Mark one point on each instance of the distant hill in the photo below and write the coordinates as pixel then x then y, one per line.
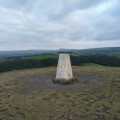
pixel 93 51
pixel 15 60
pixel 24 53
pixel 33 52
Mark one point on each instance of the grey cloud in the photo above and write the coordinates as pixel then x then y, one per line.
pixel 72 5
pixel 114 9
pixel 13 3
pixel 74 22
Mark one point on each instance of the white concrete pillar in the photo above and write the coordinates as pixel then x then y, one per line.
pixel 64 69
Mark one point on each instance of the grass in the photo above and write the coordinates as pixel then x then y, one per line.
pixel 31 95
pixel 42 57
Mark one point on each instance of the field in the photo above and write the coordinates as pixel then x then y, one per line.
pixel 31 95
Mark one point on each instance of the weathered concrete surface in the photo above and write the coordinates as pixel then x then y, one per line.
pixel 64 69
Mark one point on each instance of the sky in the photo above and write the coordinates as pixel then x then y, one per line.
pixel 54 24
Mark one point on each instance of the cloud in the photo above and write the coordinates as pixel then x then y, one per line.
pixel 28 24
pixel 13 3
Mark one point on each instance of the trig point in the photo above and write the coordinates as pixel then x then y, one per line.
pixel 64 73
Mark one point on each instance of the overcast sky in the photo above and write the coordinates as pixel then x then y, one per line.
pixel 54 24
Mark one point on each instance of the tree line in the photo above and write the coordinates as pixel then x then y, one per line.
pixel 16 64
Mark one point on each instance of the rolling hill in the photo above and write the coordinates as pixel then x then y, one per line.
pixel 92 51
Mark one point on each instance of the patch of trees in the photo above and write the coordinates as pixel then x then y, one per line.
pixel 27 63
pixel 97 59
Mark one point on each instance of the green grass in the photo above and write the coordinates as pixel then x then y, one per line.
pixel 42 57
pixel 31 95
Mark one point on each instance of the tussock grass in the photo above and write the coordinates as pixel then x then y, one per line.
pixel 31 95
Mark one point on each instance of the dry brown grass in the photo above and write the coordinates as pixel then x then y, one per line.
pixel 31 95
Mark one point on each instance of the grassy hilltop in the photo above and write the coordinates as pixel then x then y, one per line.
pixel 31 95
